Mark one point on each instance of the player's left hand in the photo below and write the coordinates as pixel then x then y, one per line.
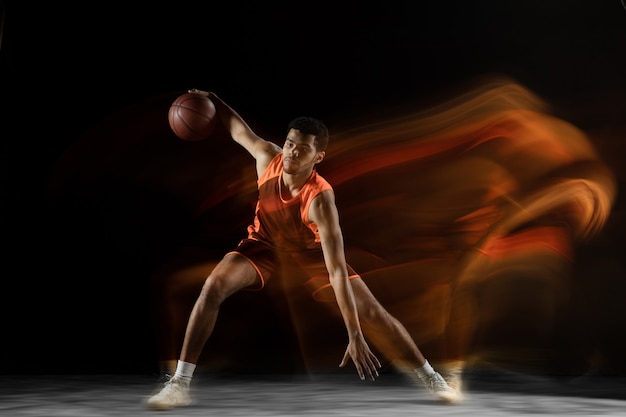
pixel 365 361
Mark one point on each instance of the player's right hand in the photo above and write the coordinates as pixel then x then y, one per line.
pixel 199 92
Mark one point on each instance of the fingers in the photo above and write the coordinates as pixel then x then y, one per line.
pixel 372 373
pixel 366 363
pixel 200 92
pixel 359 371
pixel 372 365
pixel 365 367
pixel 377 362
pixel 357 365
pixel 344 361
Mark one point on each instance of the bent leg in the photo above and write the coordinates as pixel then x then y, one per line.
pixel 231 274
pixel 175 286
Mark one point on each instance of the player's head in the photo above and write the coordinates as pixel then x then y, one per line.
pixel 312 126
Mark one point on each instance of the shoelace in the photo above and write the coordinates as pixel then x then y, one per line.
pixel 436 384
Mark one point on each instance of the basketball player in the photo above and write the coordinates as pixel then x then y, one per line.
pixel 296 223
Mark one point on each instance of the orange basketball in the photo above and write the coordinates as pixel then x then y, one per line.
pixel 192 117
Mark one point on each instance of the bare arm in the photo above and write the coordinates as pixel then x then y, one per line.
pixel 323 212
pixel 261 150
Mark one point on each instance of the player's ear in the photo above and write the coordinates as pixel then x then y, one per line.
pixel 319 157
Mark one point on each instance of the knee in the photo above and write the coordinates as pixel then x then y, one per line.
pixel 373 313
pixel 213 290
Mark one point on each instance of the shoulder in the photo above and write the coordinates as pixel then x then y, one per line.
pixel 321 182
pixel 319 191
pixel 321 205
pixel 265 154
pixel 267 147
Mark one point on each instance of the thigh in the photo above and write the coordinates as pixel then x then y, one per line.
pixel 367 304
pixel 362 293
pixel 370 310
pixel 260 257
pixel 233 273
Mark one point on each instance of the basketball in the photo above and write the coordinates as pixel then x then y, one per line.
pixel 192 117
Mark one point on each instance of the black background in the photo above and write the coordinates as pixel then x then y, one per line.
pixel 73 286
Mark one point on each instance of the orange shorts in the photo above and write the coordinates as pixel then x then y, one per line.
pixel 304 267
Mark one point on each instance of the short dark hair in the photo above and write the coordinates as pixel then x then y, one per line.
pixel 312 126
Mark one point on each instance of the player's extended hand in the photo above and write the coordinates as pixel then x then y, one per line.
pixel 365 361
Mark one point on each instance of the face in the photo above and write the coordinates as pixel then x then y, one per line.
pixel 299 153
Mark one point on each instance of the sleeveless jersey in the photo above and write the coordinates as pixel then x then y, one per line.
pixel 284 224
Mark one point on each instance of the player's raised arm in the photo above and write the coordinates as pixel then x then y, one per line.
pixel 260 149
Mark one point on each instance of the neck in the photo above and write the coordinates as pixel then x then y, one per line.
pixel 294 182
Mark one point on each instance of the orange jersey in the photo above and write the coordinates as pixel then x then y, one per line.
pixel 285 224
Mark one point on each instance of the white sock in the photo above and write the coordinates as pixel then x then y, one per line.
pixel 425 370
pixel 184 370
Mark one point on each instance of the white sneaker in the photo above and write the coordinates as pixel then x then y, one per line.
pixel 440 388
pixel 454 378
pixel 175 393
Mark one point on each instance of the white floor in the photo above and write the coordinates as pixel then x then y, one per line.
pixel 317 395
